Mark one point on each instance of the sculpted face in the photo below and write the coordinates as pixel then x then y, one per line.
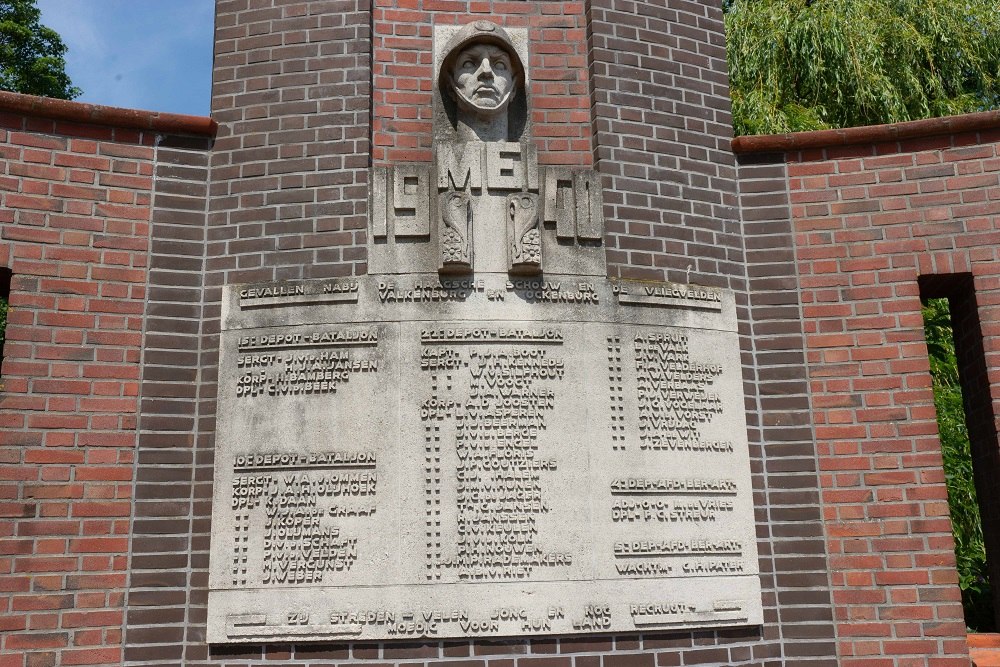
pixel 483 79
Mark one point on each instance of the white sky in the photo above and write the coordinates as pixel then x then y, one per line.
pixel 140 54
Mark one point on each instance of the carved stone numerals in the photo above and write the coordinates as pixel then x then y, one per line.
pixel 574 203
pixel 400 201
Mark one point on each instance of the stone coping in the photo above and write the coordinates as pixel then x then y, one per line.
pixel 95 114
pixel 989 640
pixel 868 134
pixel 984 649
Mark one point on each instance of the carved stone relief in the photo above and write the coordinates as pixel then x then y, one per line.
pixel 485 167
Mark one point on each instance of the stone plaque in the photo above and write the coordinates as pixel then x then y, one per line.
pixel 424 457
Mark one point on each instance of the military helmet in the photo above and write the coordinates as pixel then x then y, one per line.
pixel 479 32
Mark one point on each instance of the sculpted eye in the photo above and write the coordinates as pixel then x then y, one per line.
pixel 500 65
pixel 468 64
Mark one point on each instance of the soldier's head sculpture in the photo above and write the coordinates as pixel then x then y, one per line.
pixel 481 73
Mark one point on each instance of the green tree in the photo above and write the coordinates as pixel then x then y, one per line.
pixel 815 64
pixel 970 550
pixel 32 57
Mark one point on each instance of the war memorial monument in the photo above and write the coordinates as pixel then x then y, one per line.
pixel 484 436
pixel 465 334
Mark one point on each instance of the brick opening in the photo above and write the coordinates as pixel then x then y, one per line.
pixel 5 277
pixel 959 291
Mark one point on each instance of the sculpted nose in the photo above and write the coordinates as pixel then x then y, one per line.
pixel 485 69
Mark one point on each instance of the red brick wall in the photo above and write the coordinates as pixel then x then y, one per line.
pixel 291 92
pixel 403 79
pixel 105 522
pixel 74 212
pixel 662 131
pixel 869 221
pixel 287 199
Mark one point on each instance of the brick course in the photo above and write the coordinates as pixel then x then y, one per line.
pixel 170 474
pixel 289 179
pixel 662 128
pixel 779 421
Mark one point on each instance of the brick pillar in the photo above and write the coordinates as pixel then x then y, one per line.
pixel 74 229
pixel 662 127
pixel 283 194
pixel 780 419
pixel 172 493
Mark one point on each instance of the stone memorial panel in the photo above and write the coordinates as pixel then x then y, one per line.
pixel 422 457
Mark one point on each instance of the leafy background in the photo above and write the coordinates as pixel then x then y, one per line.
pixel 970 550
pixel 817 64
pixel 32 56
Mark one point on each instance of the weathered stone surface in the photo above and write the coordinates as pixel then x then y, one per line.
pixel 469 216
pixel 411 200
pixel 573 203
pixel 524 234
pixel 479 457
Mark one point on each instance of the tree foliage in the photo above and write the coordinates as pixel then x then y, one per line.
pixel 815 64
pixel 970 550
pixel 32 56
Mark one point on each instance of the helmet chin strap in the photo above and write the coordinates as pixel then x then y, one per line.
pixel 483 112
